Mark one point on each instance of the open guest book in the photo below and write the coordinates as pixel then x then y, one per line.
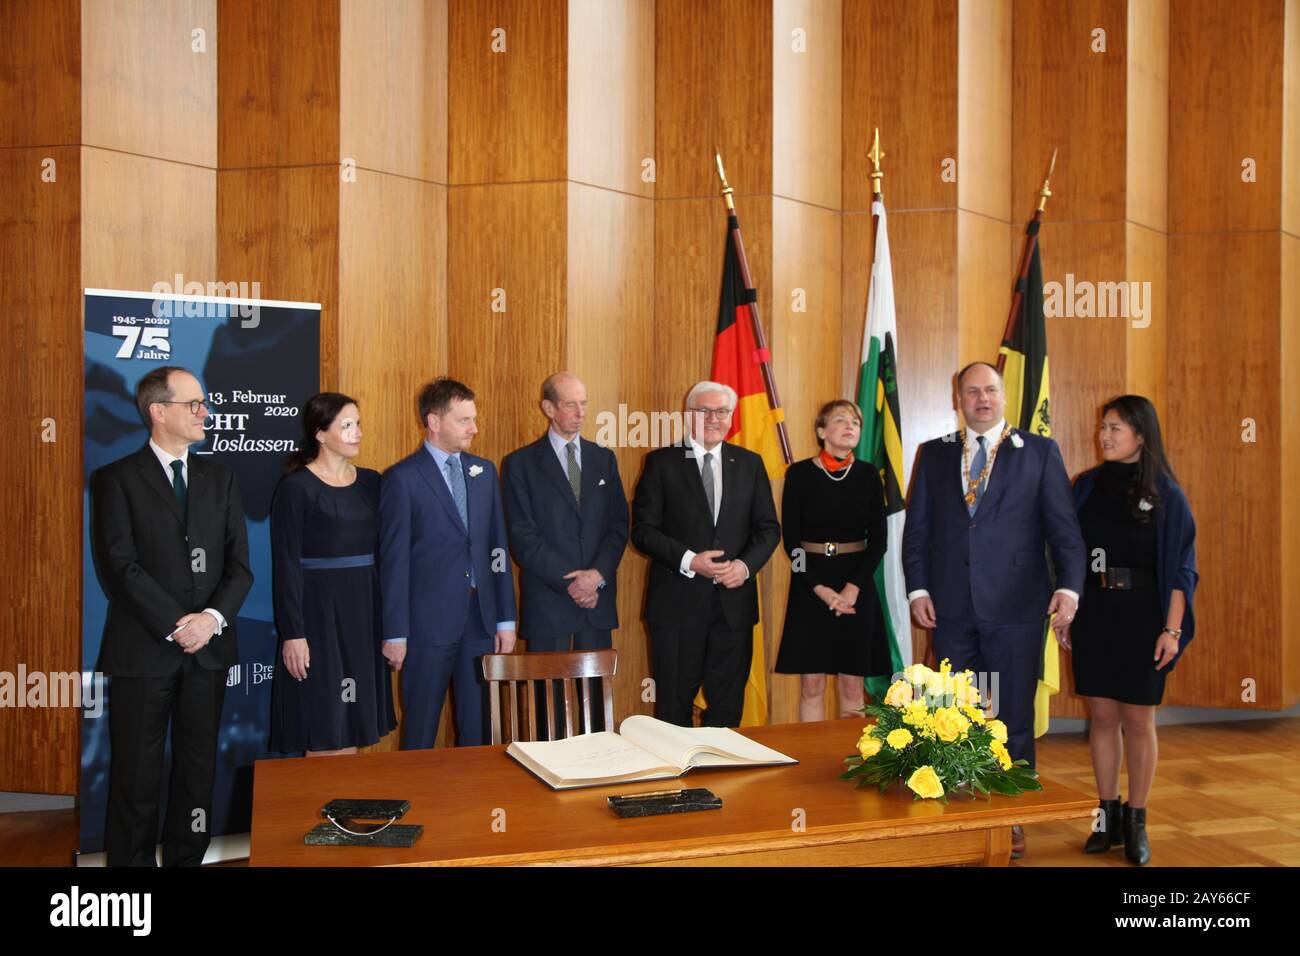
pixel 643 749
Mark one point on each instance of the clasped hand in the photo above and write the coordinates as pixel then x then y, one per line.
pixel 730 574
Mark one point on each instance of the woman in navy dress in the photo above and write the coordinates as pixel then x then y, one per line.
pixel 1135 616
pixel 333 693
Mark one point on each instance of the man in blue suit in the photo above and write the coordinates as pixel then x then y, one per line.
pixel 986 505
pixel 567 518
pixel 444 571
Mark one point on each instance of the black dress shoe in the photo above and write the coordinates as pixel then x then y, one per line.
pixel 1111 833
pixel 1136 847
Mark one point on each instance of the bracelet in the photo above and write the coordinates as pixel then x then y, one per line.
pixel 1175 631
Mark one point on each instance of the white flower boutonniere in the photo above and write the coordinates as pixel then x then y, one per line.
pixel 1017 440
pixel 475 470
pixel 1145 505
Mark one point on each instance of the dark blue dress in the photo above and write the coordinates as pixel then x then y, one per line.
pixel 326 589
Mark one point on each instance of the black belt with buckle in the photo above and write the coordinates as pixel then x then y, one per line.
pixel 1125 579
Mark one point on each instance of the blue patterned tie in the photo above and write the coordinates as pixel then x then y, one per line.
pixel 178 485
pixel 977 466
pixel 456 477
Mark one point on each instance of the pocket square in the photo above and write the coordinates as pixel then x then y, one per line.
pixel 599 483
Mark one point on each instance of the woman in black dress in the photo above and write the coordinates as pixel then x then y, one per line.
pixel 1135 616
pixel 333 694
pixel 833 523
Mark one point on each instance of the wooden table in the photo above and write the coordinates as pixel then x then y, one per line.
pixel 479 807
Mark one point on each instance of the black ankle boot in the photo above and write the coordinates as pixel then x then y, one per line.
pixel 1136 847
pixel 1111 833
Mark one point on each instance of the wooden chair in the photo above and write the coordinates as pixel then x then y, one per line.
pixel 522 673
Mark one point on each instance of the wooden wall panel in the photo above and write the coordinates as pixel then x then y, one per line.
pixel 806 350
pixel 1146 178
pixel 41 379
pixel 393 86
pixel 1068 97
pixel 713 90
pixel 280 228
pixel 1290 403
pixel 806 107
pixel 144 220
pixel 278 83
pixel 611 95
pixel 1291 122
pixel 145 87
pixel 511 238
pixel 40 72
pixel 610 342
pixel 1226 78
pixel 899 76
pixel 986 266
pixel 506 110
pixel 392 309
pixel 1233 492
pixel 984 111
pixel 1147 371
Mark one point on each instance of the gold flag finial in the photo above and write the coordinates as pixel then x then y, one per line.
pixel 1046 191
pixel 875 155
pixel 722 175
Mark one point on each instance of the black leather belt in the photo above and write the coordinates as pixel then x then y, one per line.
pixel 1125 579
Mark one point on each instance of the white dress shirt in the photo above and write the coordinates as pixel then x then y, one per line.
pixel 699 451
pixel 165 458
pixel 994 436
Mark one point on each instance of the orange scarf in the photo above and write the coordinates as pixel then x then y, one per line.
pixel 833 464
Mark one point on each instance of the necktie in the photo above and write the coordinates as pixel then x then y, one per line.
pixel 456 478
pixel 977 466
pixel 575 473
pixel 178 484
pixel 706 474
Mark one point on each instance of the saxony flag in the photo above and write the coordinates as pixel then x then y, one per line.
pixel 881 443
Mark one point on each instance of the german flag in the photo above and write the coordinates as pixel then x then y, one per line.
pixel 738 362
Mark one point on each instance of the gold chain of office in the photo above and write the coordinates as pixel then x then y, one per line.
pixel 972 484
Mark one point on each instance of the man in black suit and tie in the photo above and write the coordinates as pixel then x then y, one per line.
pixel 567 519
pixel 566 515
pixel 171 550
pixel 703 510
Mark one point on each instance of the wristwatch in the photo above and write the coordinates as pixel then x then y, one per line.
pixel 1175 631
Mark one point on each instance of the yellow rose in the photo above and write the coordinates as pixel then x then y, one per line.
pixel 966 694
pixel 869 746
pixel 900 738
pixel 925 783
pixel 949 724
pixel 899 693
pixel 917 674
pixel 1000 751
pixel 998 729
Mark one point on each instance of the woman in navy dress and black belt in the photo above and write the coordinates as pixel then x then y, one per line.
pixel 1135 616
pixel 333 693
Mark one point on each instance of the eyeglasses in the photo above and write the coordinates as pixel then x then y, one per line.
pixel 717 414
pixel 194 404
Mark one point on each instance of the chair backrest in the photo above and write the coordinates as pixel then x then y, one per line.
pixel 570 670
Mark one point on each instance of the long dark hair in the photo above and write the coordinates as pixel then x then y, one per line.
pixel 318 414
pixel 1139 414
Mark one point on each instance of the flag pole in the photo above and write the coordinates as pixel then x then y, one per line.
pixel 1031 240
pixel 769 381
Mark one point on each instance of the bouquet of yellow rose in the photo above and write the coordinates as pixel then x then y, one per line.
pixel 931 732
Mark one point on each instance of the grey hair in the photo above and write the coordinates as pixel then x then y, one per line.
pixel 699 388
pixel 550 393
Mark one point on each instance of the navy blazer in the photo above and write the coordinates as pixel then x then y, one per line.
pixel 1175 548
pixel 998 556
pixel 551 536
pixel 426 554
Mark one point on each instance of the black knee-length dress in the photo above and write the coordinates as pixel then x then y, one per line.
pixel 323 543
pixel 817 507
pixel 1114 633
